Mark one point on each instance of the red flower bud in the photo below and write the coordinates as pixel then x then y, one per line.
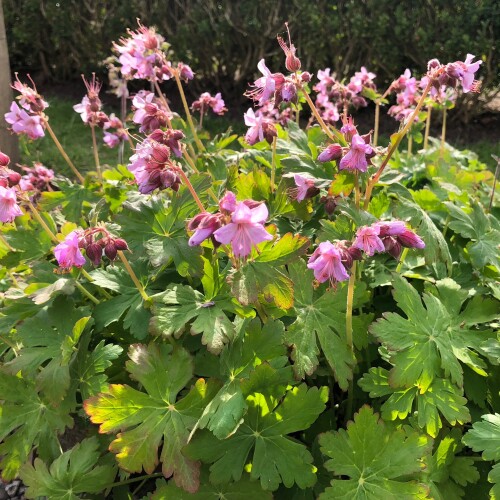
pixel 121 244
pixel 94 253
pixel 4 160
pixel 110 251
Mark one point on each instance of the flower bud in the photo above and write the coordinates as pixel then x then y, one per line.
pixel 94 253
pixel 13 177
pixel 289 92
pixel 110 251
pixel 331 152
pixel 121 244
pixel 305 77
pixel 392 246
pixel 161 153
pixel 292 62
pixel 270 131
pixel 330 204
pixel 4 160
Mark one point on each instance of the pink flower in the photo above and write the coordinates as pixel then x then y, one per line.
pixel 465 72
pixel 9 209
pixel 83 109
pixel 185 72
pixel 112 140
pixel 409 239
pixel 68 253
pixel 30 99
pixel 326 261
pixel 228 202
pixel 255 133
pixel 150 113
pixel 23 123
pixel 245 230
pixel 265 86
pixel 203 225
pixel 305 187
pixel 331 152
pixel 356 158
pixel 206 101
pixel 367 239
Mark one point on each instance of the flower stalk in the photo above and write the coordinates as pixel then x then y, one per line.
pixel 200 145
pixel 273 166
pixel 63 153
pixel 96 154
pixel 443 133
pixel 133 276
pixel 427 126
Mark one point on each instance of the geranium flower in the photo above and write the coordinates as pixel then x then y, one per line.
pixel 9 209
pixel 68 253
pixel 367 239
pixel 356 158
pixel 326 262
pixel 23 123
pixel 245 230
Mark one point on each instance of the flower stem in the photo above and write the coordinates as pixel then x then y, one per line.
pixel 392 149
pixel 86 293
pixel 188 184
pixel 42 223
pixel 200 145
pixel 377 119
pixel 410 144
pixel 273 166
pixel 427 126
pixel 133 480
pixel 96 154
pixel 497 172
pixel 402 260
pixel 133 276
pixel 89 278
pixel 334 135
pixel 63 153
pixel 357 193
pixel 348 333
pixel 443 133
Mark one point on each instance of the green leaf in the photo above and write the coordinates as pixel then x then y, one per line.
pixel 485 436
pixel 260 343
pixel 50 340
pixel 433 339
pixel 27 420
pixel 284 250
pixel 262 440
pixel 441 397
pixel 321 317
pixel 376 460
pixel 446 473
pixel 244 489
pixel 75 471
pixel 436 248
pixel 145 419
pixel 262 278
pixel 180 304
pixel 90 366
pixel 128 303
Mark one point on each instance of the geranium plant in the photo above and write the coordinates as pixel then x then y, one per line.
pixel 299 311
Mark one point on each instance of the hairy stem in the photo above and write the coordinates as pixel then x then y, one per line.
pixel 273 166
pixel 402 260
pixel 333 133
pixel 86 293
pixel 96 154
pixel 133 276
pixel 427 126
pixel 376 126
pixel 443 133
pixel 200 145
pixel 63 153
pixel 188 184
pixel 164 102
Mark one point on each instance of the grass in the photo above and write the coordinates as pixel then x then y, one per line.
pixel 76 139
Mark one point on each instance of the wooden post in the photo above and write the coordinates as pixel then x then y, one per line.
pixel 8 141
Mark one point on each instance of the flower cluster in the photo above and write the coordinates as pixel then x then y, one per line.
pixel 9 209
pixel 140 57
pixel 96 242
pixel 260 128
pixel 206 101
pixel 28 119
pixel 151 163
pixel 454 73
pixel 331 261
pixel 240 224
pixel 334 97
pixel 90 107
pixel 37 178
pixel 354 158
pixel 114 132
pixel 386 236
pixel 150 112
